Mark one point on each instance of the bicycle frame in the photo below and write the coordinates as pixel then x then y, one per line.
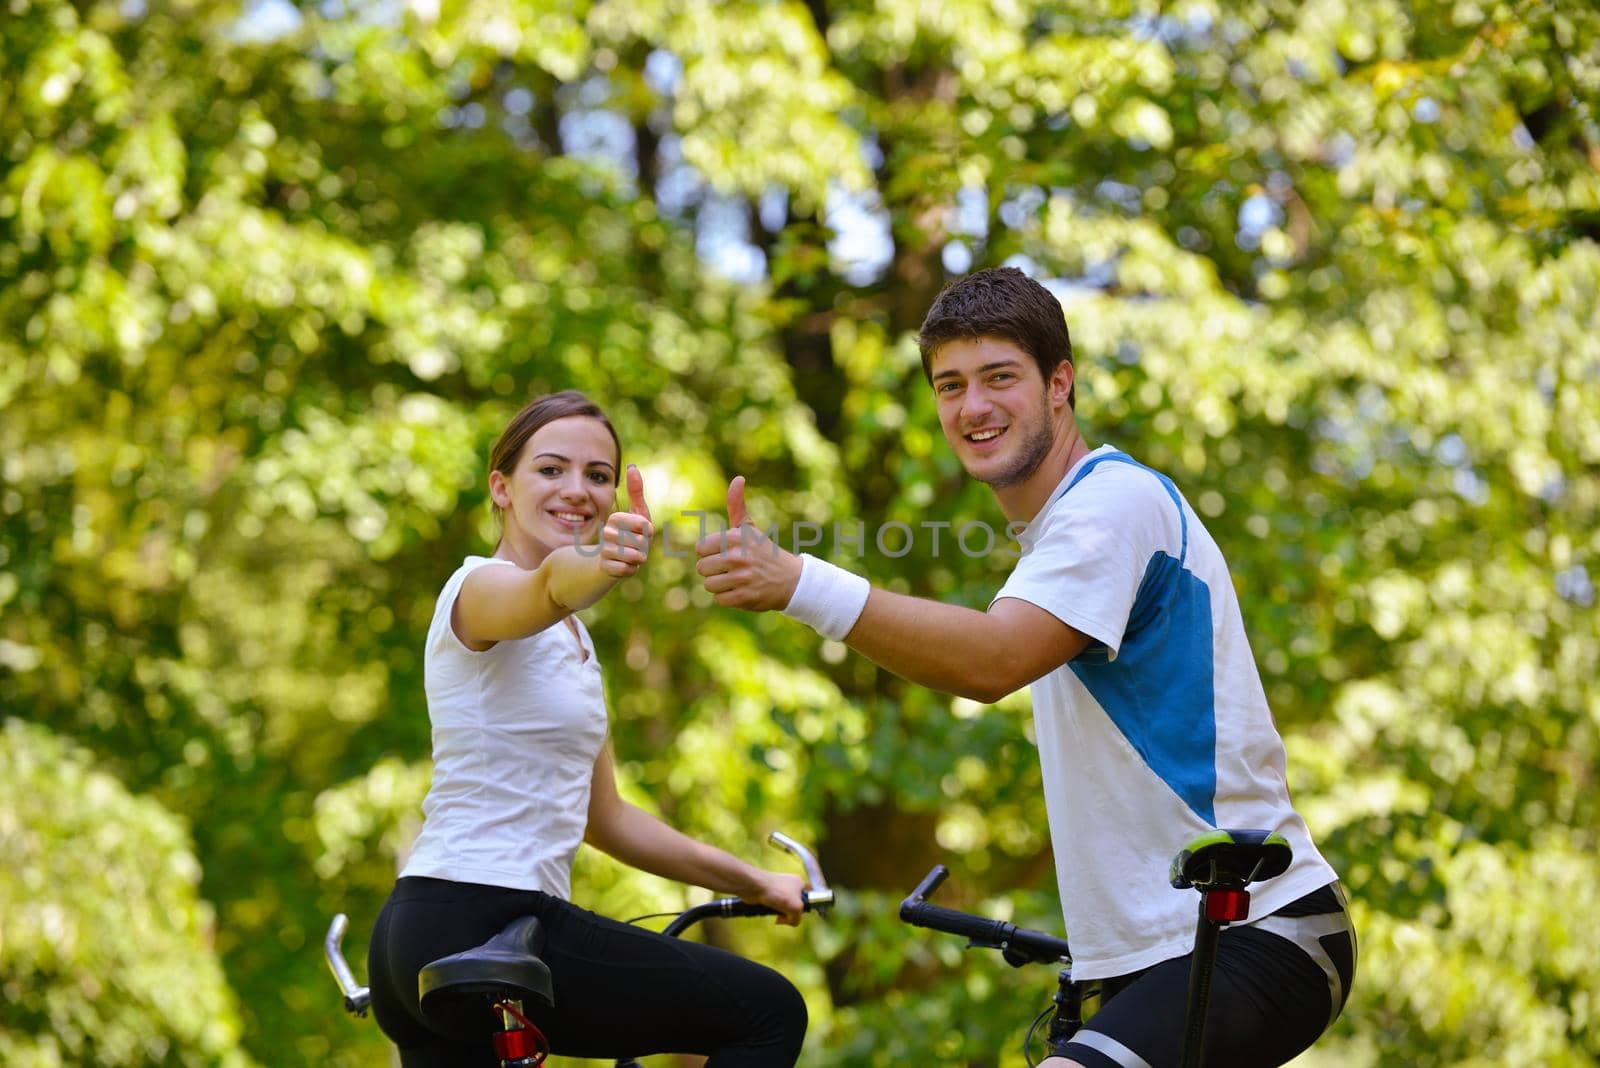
pixel 1218 864
pixel 1018 946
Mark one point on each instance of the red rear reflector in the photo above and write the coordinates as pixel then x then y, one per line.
pixel 1227 906
pixel 515 1045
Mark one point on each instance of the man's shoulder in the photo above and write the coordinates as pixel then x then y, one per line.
pixel 1118 485
pixel 1116 466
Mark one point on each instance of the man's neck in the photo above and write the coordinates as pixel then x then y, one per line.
pixel 1021 502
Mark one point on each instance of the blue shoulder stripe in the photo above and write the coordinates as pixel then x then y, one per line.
pixel 1166 483
pixel 1160 692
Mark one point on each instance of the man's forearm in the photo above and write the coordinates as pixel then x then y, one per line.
pixel 979 655
pixel 944 647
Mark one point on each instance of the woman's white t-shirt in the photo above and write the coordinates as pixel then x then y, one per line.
pixel 516 732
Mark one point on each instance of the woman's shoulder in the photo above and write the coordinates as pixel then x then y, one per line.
pixel 469 564
pixel 473 562
pixel 444 645
pixel 451 589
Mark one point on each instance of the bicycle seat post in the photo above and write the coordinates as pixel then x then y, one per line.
pixel 516 1045
pixel 502 973
pixel 1220 864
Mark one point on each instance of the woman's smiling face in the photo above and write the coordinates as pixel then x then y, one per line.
pixel 562 488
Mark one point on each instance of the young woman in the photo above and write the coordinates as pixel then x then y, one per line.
pixel 523 773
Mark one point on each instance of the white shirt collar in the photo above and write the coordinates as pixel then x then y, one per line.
pixel 1030 533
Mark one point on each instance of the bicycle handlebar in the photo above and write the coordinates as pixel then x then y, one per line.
pixel 819 896
pixel 733 906
pixel 817 899
pixel 356 998
pixel 1019 945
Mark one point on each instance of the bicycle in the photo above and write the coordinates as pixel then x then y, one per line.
pixel 505 972
pixel 1219 864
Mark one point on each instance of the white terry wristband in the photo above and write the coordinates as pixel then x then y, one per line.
pixel 828 599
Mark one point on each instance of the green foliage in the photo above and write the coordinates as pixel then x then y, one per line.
pixel 106 951
pixel 266 298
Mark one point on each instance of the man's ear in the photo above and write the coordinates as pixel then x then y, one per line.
pixel 1061 380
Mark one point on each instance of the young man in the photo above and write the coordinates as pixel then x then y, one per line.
pixel 1152 722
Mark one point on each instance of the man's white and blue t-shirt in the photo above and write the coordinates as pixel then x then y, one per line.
pixel 1159 730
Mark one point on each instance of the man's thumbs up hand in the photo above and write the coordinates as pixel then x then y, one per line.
pixel 742 567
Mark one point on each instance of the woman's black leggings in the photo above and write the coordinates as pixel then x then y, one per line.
pixel 619 990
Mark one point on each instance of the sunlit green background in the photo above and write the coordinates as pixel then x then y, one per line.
pixel 272 277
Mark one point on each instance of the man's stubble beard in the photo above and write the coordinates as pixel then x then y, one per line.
pixel 1035 447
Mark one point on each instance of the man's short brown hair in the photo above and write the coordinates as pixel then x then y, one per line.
pixel 1004 303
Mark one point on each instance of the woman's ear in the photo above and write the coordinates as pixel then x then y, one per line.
pixel 499 492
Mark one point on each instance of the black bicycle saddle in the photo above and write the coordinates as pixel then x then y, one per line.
pixel 457 992
pixel 1230 859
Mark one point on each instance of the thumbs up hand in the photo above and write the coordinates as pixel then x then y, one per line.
pixel 625 540
pixel 737 515
pixel 636 493
pixel 741 566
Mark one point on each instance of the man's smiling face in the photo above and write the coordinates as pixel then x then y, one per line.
pixel 994 408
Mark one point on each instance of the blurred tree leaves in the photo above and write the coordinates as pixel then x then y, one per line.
pixel 273 276
pixel 106 950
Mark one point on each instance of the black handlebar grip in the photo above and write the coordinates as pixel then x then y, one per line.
pixel 1038 947
pixel 732 906
pixel 1022 943
pixel 984 932
pixel 918 912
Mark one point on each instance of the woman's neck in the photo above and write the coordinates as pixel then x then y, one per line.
pixel 520 551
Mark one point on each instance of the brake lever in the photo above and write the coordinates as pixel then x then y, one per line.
pixel 819 897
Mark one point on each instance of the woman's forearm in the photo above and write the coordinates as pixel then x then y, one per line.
pixel 574 579
pixel 506 603
pixel 640 840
